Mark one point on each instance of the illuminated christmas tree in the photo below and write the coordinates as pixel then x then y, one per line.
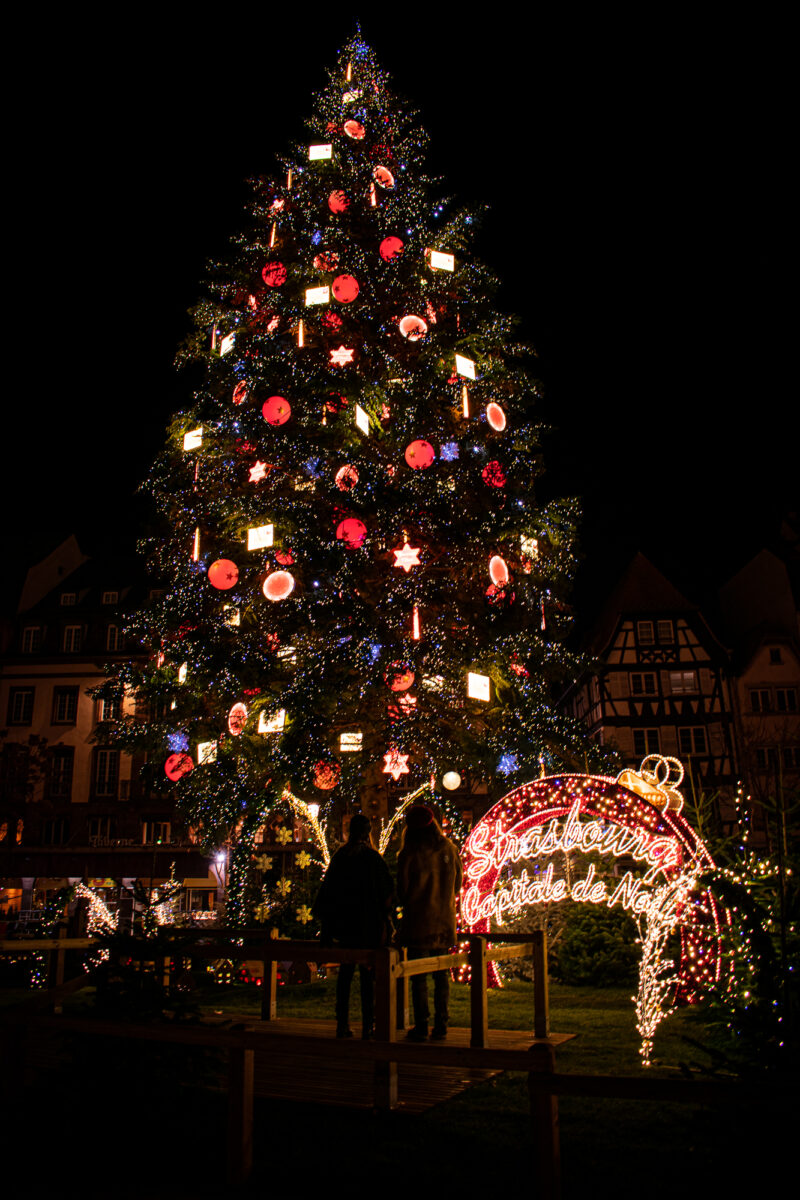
pixel 361 590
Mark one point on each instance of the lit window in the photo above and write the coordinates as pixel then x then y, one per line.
pixel 110 598
pixel 682 682
pixel 68 599
pixel 155 832
pixel 110 708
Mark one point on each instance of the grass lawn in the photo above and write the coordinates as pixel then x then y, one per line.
pixel 119 1116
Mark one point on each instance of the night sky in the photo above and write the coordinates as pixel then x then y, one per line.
pixel 636 178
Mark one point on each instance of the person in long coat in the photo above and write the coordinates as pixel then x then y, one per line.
pixel 428 883
pixel 353 906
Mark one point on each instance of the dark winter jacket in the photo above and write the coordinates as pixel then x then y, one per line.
pixel 428 882
pixel 353 902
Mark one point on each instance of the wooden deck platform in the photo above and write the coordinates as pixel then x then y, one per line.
pixel 283 1073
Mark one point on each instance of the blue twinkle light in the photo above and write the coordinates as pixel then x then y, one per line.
pixel 507 764
pixel 449 451
pixel 177 742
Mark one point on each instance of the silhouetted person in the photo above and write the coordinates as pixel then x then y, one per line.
pixel 428 881
pixel 353 907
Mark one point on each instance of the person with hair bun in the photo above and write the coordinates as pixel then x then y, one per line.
pixel 428 881
pixel 353 906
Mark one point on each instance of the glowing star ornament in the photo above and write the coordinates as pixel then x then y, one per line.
pixel 390 248
pixel 496 417
pixel 258 472
pixel 342 357
pixel 420 454
pixel 498 571
pixel 260 536
pixel 178 765
pixel 276 410
pixel 395 764
pixel 352 532
pixel 345 288
pixel 274 274
pixel 479 687
pixel 406 557
pixel 193 440
pixel 278 585
pixel 413 328
pixel 338 202
pixel 223 574
pixel 237 719
pixel 346 478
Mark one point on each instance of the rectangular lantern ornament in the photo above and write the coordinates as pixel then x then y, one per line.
pixel 478 686
pixel 259 536
pixel 350 743
pixel 442 262
pixel 465 367
pixel 319 151
pixel 227 343
pixel 206 752
pixel 318 295
pixel 362 420
pixel 272 724
pixel 529 546
pixel 193 439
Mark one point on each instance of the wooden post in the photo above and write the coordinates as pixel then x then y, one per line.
pixel 544 1116
pixel 385 1073
pixel 269 990
pixel 478 995
pixel 541 995
pixel 403 1006
pixel 240 1115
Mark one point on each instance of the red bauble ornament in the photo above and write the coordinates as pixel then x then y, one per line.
pixel 352 532
pixel 326 775
pixel 338 202
pixel 178 765
pixel 237 718
pixel 276 410
pixel 278 585
pixel 354 130
pixel 399 676
pixel 390 247
pixel 493 474
pixel 498 595
pixel 420 454
pixel 346 478
pixel 335 402
pixel 332 321
pixel 223 574
pixel 498 571
pixel 383 177
pixel 274 274
pixel 345 288
pixel 495 416
pixel 284 557
pixel 240 393
pixel 327 261
pixel 413 328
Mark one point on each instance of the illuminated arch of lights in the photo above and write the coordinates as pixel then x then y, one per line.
pixel 634 820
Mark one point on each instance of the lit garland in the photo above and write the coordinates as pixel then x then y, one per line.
pixel 100 921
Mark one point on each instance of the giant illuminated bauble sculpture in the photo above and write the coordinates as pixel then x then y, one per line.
pixel 223 574
pixel 278 585
pixel 413 328
pixel 276 410
pixel 451 780
pixel 399 676
pixel 326 775
pixel 338 202
pixel 496 417
pixel 274 274
pixel 390 248
pixel 420 454
pixel 345 288
pixel 352 532
pixel 178 765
